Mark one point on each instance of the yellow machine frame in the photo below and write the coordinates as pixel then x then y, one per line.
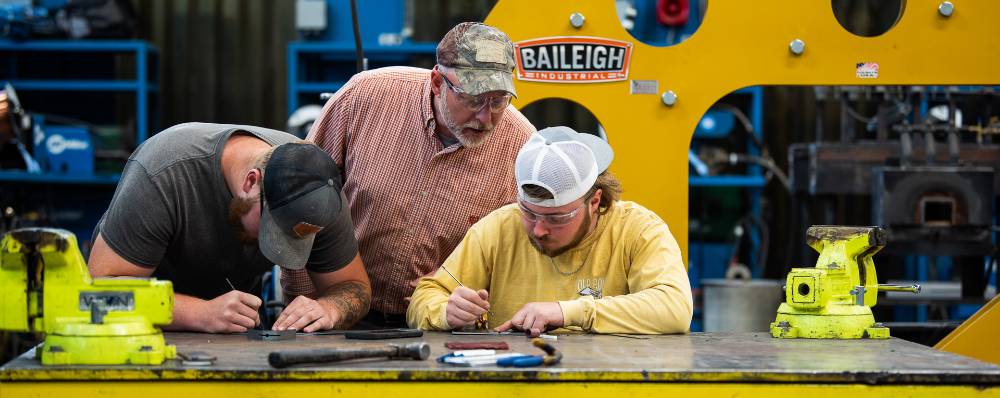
pixel 739 44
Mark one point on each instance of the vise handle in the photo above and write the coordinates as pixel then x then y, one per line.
pixel 914 288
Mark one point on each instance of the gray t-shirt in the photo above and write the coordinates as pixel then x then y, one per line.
pixel 170 211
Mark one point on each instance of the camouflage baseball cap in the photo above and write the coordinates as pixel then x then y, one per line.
pixel 482 56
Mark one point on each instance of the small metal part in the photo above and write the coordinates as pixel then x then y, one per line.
pixel 576 20
pixel 630 336
pixel 270 335
pixel 859 295
pixel 946 8
pixel 669 98
pixel 797 46
pixel 196 358
pixel 230 284
pixel 479 333
pixel 492 333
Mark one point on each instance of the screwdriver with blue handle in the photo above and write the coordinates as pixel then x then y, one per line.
pixel 551 357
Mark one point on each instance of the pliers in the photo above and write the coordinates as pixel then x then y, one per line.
pixel 551 357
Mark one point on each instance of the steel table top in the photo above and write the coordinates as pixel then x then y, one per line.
pixel 697 357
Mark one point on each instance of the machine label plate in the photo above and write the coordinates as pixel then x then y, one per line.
pixel 644 87
pixel 113 301
pixel 866 70
pixel 572 59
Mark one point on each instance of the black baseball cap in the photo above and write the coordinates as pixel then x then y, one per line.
pixel 301 198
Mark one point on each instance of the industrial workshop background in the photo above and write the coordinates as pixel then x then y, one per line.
pixel 249 62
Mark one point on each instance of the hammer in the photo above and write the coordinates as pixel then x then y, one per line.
pixel 281 359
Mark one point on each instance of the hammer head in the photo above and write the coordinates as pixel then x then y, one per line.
pixel 418 351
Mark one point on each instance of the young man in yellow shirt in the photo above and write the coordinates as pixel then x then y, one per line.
pixel 569 254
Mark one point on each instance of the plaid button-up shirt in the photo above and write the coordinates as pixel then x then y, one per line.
pixel 412 200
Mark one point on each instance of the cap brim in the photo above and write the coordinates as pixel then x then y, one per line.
pixel 478 81
pixel 283 249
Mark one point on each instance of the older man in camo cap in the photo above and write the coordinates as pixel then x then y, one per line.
pixel 425 154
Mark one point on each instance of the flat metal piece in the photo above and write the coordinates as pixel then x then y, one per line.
pixel 383 334
pixel 630 336
pixel 196 358
pixel 270 335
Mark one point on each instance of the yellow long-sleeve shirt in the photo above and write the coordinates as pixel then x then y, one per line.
pixel 626 276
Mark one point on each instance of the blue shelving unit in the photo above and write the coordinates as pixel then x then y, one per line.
pixel 142 86
pixel 310 76
pixel 325 58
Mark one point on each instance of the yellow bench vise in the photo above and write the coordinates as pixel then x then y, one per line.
pixel 46 287
pixel 834 299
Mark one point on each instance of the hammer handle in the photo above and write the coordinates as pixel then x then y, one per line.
pixel 281 359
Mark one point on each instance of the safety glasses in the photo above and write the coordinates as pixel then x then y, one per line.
pixel 476 103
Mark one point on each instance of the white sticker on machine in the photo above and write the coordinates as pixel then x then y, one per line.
pixel 866 70
pixel 643 87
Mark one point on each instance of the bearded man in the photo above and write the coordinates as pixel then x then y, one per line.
pixel 425 154
pixel 212 207
pixel 570 254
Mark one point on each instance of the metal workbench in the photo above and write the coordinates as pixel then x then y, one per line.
pixel 699 364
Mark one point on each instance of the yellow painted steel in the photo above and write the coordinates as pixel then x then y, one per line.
pixel 823 302
pixel 478 390
pixel 978 336
pixel 744 43
pixel 48 288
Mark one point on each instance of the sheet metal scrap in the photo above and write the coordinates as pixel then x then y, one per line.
pixel 270 335
pixel 196 358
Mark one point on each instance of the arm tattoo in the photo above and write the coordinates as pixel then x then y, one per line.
pixel 352 299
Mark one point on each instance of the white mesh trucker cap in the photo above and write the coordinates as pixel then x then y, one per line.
pixel 564 162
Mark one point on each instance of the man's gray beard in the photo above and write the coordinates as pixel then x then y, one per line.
pixel 449 123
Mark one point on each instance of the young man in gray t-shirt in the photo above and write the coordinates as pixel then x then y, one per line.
pixel 205 205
